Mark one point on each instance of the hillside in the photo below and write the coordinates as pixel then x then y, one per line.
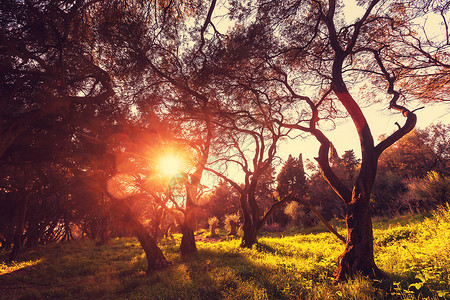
pixel 412 250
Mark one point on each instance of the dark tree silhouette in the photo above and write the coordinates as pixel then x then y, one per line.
pixel 50 84
pixel 247 126
pixel 292 178
pixel 47 65
pixel 223 200
pixel 166 75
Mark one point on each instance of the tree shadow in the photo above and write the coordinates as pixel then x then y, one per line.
pixel 244 272
pixel 406 286
pixel 17 274
pixel 262 247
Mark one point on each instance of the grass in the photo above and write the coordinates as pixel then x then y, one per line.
pixel 412 250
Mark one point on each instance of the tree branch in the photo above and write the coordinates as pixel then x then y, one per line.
pixel 322 219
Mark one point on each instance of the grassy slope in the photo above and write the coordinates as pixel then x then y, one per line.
pixel 413 251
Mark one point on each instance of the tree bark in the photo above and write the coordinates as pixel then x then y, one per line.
pixel 233 228
pixel 252 223
pixel 358 256
pixel 250 234
pixel 187 245
pixel 188 240
pixel 103 223
pixel 18 233
pixel 155 258
pixel 212 231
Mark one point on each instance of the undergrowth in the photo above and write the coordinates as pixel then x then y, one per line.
pixel 412 251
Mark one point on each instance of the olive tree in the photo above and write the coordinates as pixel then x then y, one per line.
pixel 318 60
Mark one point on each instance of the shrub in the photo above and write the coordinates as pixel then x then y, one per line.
pixel 213 223
pixel 387 190
pixel 231 223
pixel 427 193
pixel 274 227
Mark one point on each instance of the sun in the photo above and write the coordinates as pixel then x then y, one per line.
pixel 171 165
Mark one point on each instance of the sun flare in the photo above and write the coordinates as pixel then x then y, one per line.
pixel 170 165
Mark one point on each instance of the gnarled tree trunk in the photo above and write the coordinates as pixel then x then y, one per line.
pixel 192 188
pixel 250 234
pixel 358 256
pixel 155 258
pixel 187 228
pixel 187 245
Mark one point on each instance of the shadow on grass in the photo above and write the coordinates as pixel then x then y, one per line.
pixel 231 275
pixel 262 247
pixel 220 270
pixel 293 231
pixel 401 287
pixel 70 269
pixel 17 278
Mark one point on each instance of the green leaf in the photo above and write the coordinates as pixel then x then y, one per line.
pixel 417 285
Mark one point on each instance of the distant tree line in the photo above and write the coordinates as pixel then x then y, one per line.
pixel 413 177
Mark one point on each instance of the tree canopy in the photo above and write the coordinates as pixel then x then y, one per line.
pixel 92 92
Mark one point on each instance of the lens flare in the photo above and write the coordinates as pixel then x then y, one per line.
pixel 171 165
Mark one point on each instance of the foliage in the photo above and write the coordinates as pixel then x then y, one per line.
pixel 310 58
pixel 76 74
pixel 265 189
pixel 388 189
pixel 213 221
pixel 428 192
pixel 320 192
pixel 222 200
pixel 395 235
pixel 420 266
pixel 232 222
pixel 412 174
pixel 419 152
pixel 299 215
pixel 288 267
pixel 291 178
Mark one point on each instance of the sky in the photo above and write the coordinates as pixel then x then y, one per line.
pixel 381 120
pixel 344 137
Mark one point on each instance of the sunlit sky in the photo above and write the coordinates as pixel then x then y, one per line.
pixel 381 120
pixel 171 164
pixel 344 137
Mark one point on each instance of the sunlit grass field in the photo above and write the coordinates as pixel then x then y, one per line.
pixel 414 251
